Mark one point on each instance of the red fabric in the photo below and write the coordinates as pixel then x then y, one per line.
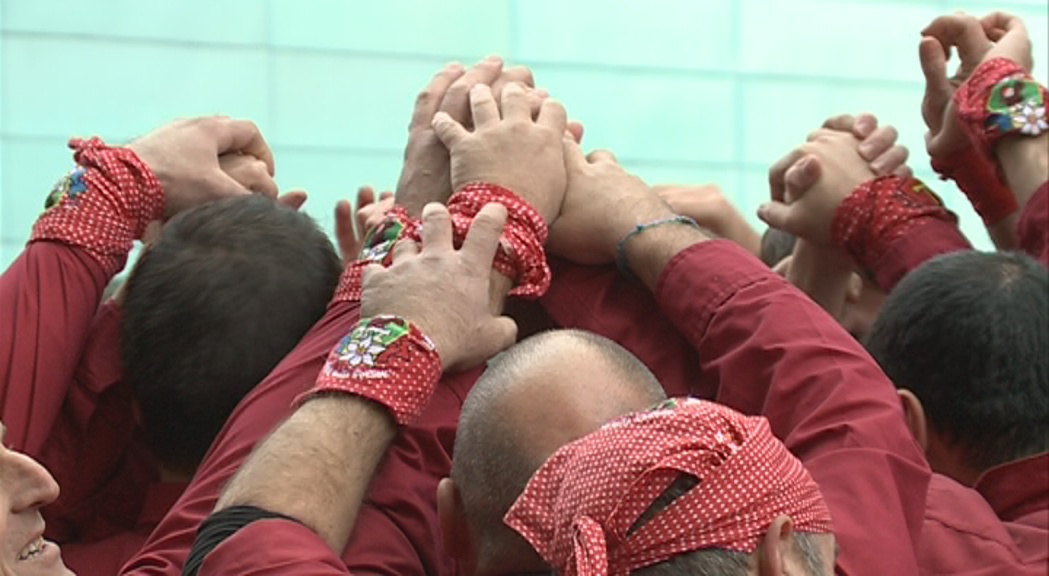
pixel 987 121
pixel 520 256
pixel 977 177
pixel 384 359
pixel 880 212
pixel 1000 527
pixel 1033 227
pixel 272 547
pixel 120 197
pixel 580 510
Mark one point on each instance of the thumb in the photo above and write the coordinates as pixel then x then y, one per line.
pixel 502 333
pixel 777 215
pixel 447 129
pixel 574 157
pixel 800 177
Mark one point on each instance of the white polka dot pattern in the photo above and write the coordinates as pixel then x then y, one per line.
pixel 384 359
pixel 879 212
pixel 121 197
pixel 579 506
pixel 972 100
pixel 521 256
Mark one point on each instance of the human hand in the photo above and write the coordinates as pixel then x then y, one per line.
pixel 462 327
pixel 822 173
pixel 998 35
pixel 184 157
pixel 877 143
pixel 514 151
pixel 370 214
pixel 711 210
pixel 602 205
pixel 425 175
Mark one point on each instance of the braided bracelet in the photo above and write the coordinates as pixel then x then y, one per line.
pixel 621 262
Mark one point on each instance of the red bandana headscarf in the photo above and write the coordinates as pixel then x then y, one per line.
pixel 580 505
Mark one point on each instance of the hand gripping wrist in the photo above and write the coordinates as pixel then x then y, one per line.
pixel 1000 100
pixel 879 212
pixel 387 360
pixel 520 256
pixel 103 204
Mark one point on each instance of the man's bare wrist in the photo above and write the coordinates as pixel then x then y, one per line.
pixel 648 254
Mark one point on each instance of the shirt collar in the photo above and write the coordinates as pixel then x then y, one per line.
pixel 1017 488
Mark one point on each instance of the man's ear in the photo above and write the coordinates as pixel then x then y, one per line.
pixel 455 534
pixel 775 550
pixel 914 414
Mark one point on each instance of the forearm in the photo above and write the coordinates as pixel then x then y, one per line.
pixel 1025 162
pixel 649 252
pixel 47 299
pixel 317 465
pixel 823 274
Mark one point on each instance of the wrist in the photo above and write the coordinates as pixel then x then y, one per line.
pixel 387 360
pixel 647 252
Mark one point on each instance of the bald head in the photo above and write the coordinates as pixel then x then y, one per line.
pixel 541 394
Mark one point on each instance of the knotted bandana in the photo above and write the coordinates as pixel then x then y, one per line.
pixel 580 508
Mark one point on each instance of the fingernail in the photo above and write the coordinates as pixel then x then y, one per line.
pixel 453 66
pixel 494 58
pixel 542 93
pixel 878 166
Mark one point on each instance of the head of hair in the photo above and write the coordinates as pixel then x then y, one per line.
pixel 492 462
pixel 225 293
pixel 715 561
pixel 776 245
pixel 967 333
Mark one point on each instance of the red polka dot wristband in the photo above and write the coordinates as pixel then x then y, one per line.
pixel 387 360
pixel 977 177
pixel 1000 99
pixel 102 205
pixel 520 256
pixel 588 509
pixel 879 212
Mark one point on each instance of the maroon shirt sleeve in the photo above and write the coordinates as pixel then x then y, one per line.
pixel 396 531
pixel 601 300
pixel 258 414
pixel 273 547
pixel 775 353
pixel 47 299
pixel 925 241
pixel 1033 227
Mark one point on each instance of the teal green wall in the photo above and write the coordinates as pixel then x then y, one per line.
pixel 685 91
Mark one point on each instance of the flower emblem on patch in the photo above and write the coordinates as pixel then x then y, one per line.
pixel 1029 118
pixel 363 347
pixel 380 241
pixel 69 186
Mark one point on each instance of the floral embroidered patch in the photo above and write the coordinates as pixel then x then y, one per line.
pixel 364 345
pixel 381 240
pixel 1017 105
pixel 71 185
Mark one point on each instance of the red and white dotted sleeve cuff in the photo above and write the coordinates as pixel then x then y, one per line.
pixel 387 360
pixel 103 205
pixel 879 212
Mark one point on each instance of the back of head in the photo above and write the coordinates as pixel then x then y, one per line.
pixel 775 246
pixel 967 333
pixel 574 381
pixel 226 292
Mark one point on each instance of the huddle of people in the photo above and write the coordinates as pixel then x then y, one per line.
pixel 526 360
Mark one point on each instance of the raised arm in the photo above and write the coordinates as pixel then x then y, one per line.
pixel 51 291
pixel 767 349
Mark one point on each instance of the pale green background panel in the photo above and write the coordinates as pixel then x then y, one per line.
pixel 684 91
